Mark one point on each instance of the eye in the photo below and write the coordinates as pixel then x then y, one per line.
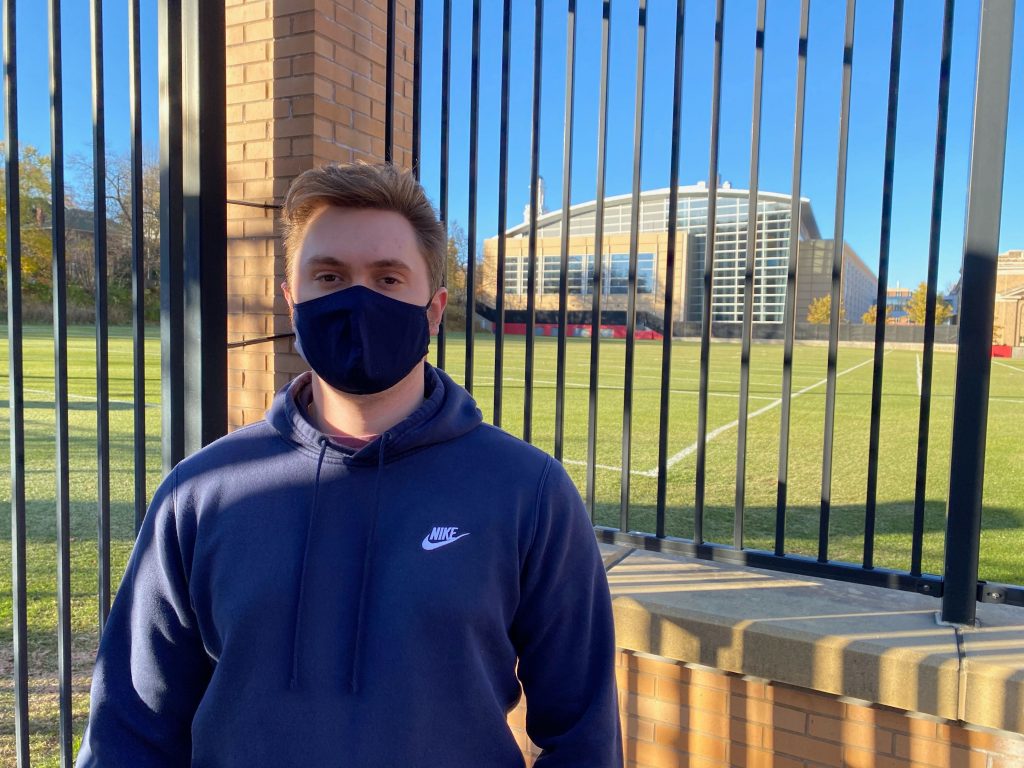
pixel 390 280
pixel 327 277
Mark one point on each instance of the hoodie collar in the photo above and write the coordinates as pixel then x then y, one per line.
pixel 446 412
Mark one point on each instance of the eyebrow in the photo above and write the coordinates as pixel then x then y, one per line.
pixel 323 260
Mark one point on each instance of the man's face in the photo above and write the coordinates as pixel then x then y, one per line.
pixel 342 247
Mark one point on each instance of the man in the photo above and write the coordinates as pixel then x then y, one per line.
pixel 365 577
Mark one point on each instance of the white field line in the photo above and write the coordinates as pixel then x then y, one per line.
pixel 1013 368
pixel 572 385
pixel 918 375
pixel 87 398
pixel 690 449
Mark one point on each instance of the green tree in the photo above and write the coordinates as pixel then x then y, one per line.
pixel 869 317
pixel 819 312
pixel 918 302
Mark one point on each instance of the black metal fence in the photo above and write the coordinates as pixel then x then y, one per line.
pixel 958 585
pixel 193 290
pixel 193 298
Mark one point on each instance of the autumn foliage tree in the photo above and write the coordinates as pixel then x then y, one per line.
pixel 870 317
pixel 918 303
pixel 34 200
pixel 80 253
pixel 819 312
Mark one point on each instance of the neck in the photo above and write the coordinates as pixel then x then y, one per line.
pixel 360 415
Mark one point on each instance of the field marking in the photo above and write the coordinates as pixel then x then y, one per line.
pixel 1013 368
pixel 918 375
pixel 690 449
pixel 573 385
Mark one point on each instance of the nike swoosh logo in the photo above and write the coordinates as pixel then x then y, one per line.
pixel 429 545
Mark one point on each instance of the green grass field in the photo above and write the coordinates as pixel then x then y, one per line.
pixel 1002 540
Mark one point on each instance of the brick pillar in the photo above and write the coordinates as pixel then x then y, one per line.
pixel 305 86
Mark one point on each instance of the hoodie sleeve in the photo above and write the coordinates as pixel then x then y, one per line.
pixel 151 669
pixel 564 635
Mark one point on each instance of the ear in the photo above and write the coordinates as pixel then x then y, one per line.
pixel 436 310
pixel 288 298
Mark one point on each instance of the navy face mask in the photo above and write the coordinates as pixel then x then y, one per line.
pixel 360 341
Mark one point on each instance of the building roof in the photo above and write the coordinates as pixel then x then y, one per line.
pixel 807 220
pixel 1011 261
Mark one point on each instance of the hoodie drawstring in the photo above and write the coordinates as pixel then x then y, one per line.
pixel 293 684
pixel 367 563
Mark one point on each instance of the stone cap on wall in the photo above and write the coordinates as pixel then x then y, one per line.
pixel 878 645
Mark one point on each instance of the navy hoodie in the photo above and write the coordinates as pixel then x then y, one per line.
pixel 290 602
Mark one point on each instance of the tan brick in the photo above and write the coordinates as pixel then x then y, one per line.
pixel 241 14
pixel 692 742
pixel 806 748
pixel 294 45
pixel 746 757
pixel 259 71
pixel 937 753
pixel 634 728
pixel 652 709
pixel 799 698
pixel 259 30
pixel 240 94
pixel 247 53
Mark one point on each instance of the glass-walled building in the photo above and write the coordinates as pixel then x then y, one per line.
pixel 772 230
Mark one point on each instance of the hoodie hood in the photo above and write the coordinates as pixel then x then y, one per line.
pixel 447 412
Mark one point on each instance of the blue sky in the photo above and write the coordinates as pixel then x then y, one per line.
pixel 33 77
pixel 916 124
pixel 915 135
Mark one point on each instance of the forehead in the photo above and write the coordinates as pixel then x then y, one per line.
pixel 359 235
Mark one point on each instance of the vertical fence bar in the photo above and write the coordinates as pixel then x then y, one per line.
pixel 99 193
pixel 417 87
pixel 204 182
pixel 60 384
pixel 670 272
pixel 938 180
pixel 634 243
pixel 446 70
pixel 499 290
pixel 790 308
pixel 974 364
pixel 15 381
pixel 531 298
pixel 709 265
pixel 138 263
pixel 172 326
pixel 474 131
pixel 389 85
pixel 748 279
pixel 595 314
pixel 836 295
pixel 563 281
pixel 883 284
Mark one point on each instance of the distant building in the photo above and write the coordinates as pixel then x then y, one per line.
pixel 896 300
pixel 1009 314
pixel 771 262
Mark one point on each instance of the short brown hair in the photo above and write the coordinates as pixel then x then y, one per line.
pixel 380 187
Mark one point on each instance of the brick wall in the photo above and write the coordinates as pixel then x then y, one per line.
pixel 678 715
pixel 305 86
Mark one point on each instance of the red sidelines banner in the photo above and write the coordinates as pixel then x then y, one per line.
pixel 579 330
